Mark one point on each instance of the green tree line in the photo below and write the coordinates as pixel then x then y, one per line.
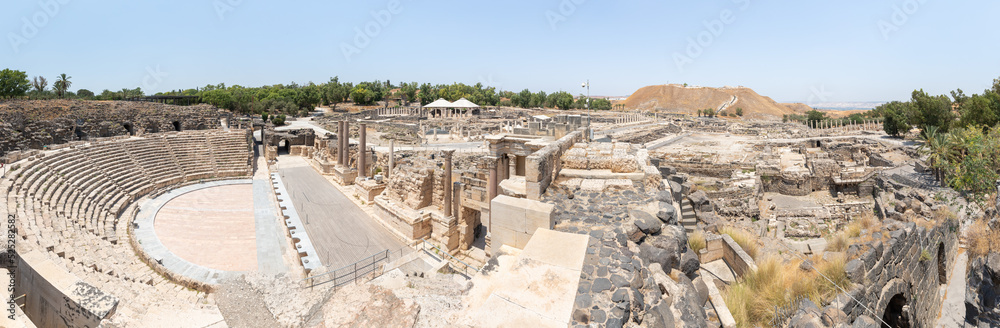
pixel 960 134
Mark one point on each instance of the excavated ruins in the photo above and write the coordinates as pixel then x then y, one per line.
pixel 505 217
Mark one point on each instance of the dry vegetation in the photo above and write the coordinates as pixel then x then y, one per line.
pixel 982 240
pixel 746 241
pixel 696 241
pixel 775 285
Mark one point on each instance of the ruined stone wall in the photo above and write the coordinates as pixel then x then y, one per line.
pixel 414 187
pixel 912 262
pixel 786 184
pixel 543 166
pixel 35 124
pixel 706 169
pixel 56 298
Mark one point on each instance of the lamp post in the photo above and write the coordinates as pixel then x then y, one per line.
pixel 589 116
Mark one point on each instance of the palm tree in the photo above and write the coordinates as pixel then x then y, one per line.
pixel 40 83
pixel 937 148
pixel 62 84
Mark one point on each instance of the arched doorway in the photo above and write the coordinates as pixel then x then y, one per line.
pixel 128 128
pixel 897 313
pixel 177 126
pixel 942 275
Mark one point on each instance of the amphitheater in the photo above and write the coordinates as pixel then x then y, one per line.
pixel 401 217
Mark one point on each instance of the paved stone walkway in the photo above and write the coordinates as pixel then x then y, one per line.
pixel 341 232
pixel 953 308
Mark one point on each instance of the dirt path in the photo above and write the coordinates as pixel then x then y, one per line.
pixel 953 308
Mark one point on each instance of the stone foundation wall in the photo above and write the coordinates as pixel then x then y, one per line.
pixel 35 124
pixel 911 262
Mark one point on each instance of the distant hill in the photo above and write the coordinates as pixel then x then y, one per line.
pixel 673 98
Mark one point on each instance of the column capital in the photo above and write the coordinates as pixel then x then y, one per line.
pixel 491 161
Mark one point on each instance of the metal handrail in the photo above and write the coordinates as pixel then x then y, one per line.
pixel 366 267
pixel 424 244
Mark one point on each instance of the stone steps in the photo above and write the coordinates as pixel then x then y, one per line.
pixel 688 218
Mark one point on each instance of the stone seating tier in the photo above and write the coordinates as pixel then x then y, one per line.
pixel 71 202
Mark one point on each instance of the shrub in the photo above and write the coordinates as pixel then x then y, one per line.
pixel 925 255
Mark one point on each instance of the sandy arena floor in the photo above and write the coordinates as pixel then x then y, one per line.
pixel 211 227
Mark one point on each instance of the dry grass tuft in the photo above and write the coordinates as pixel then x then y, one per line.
pixel 696 241
pixel 775 284
pixel 838 242
pixel 746 241
pixel 982 240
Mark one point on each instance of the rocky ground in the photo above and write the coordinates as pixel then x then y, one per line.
pixel 633 258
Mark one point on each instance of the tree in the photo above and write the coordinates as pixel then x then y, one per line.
pixel 563 100
pixel 13 83
pixel 710 112
pixel 895 117
pixel 84 93
pixel 815 116
pixel 62 84
pixel 959 96
pixel 40 83
pixel 931 111
pixel 362 96
pixel 977 110
pixel 739 111
pixel 409 92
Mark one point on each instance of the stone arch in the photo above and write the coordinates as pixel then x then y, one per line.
pixel 942 265
pixel 896 314
pixel 177 126
pixel 894 287
pixel 129 128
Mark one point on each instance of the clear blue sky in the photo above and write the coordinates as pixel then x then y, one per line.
pixel 792 51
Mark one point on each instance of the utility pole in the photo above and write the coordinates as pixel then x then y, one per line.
pixel 590 117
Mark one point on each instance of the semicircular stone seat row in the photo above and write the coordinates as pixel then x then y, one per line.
pixel 75 203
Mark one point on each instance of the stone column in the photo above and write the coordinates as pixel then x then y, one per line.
pixel 504 167
pixel 392 157
pixel 491 163
pixel 456 207
pixel 340 142
pixel 447 182
pixel 362 152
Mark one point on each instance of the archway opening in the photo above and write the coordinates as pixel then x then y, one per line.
pixel 128 128
pixel 942 274
pixel 897 313
pixel 284 147
pixel 177 126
